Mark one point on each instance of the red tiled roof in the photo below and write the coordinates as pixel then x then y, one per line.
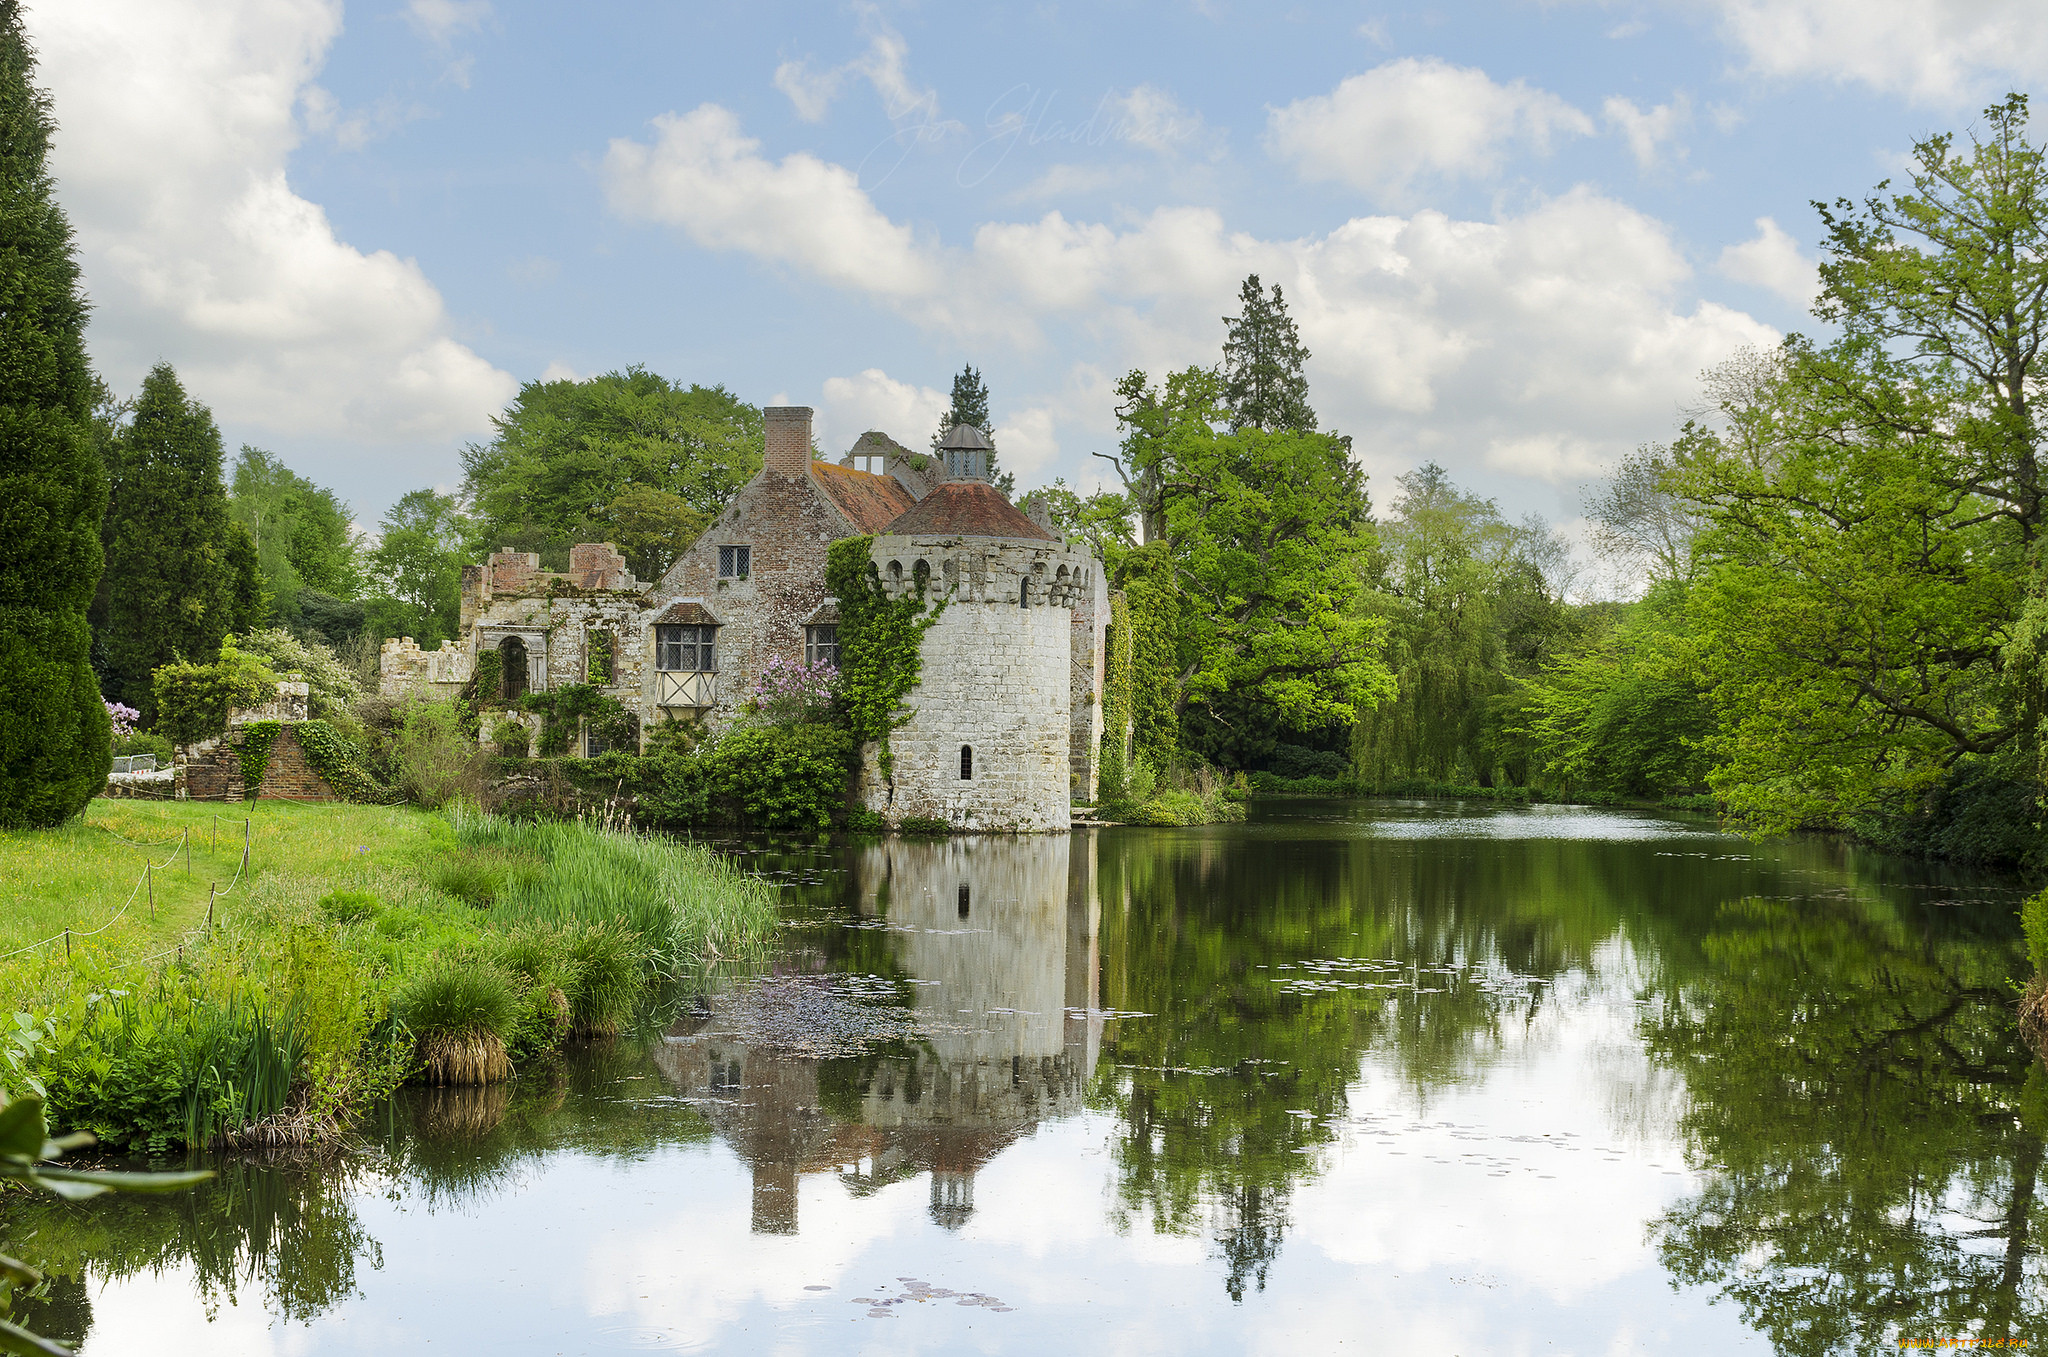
pixel 870 501
pixel 971 509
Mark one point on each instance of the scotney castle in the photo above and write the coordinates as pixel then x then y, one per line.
pixel 1006 720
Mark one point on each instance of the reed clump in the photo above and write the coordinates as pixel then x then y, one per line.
pixel 460 1012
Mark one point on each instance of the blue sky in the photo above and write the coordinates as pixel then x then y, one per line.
pixel 1513 234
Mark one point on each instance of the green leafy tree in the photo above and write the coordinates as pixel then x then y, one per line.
pixel 1473 605
pixel 1263 383
pixel 1266 540
pixel 55 739
pixel 417 569
pixel 181 575
pixel 566 455
pixel 301 532
pixel 653 527
pixel 1871 502
pixel 970 406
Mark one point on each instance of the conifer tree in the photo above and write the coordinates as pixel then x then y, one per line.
pixel 181 575
pixel 1263 384
pixel 970 406
pixel 54 735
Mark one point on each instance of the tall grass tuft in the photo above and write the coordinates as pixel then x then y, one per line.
pixel 460 1013
pixel 609 979
pixel 686 905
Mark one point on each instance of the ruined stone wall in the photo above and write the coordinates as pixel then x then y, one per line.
pixel 402 667
pixel 997 678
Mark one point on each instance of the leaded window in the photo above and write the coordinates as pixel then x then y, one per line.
pixel 685 648
pixel 735 562
pixel 821 645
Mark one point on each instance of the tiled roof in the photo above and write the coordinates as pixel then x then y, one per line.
pixel 688 613
pixel 971 509
pixel 870 501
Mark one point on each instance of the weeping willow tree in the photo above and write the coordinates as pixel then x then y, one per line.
pixel 1473 606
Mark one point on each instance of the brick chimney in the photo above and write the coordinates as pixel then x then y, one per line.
pixel 788 439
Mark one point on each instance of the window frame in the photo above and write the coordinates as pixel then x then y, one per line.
pixel 735 560
pixel 701 645
pixel 815 645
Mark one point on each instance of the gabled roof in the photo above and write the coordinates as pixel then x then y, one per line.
pixel 970 509
pixel 868 501
pixel 687 612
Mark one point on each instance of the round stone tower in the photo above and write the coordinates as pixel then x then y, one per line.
pixel 988 744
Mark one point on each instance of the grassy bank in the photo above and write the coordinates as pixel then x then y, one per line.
pixel 362 946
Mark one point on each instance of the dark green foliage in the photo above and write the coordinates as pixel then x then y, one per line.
pixel 1985 811
pixel 54 732
pixel 340 762
pixel 459 998
pixel 1263 383
pixel 924 825
pixel 416 570
pixel 181 575
pixel 781 777
pixel 627 457
pixel 1296 761
pixel 329 620
pixel 880 642
pixel 258 738
pixel 574 708
pixel 970 406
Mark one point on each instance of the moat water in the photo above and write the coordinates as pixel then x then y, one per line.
pixel 1370 1077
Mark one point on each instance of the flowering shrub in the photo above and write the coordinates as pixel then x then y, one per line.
pixel 788 694
pixel 123 717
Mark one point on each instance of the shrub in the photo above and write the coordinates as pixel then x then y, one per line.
pixel 2034 919
pixel 861 820
pixel 145 744
pixel 781 777
pixel 923 824
pixel 192 700
pixel 331 685
pixel 433 758
pixel 789 694
pixel 539 957
pixel 1296 761
pixel 460 1013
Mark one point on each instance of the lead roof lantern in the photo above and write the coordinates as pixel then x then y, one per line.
pixel 965 450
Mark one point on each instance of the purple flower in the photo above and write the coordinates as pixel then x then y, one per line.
pixel 123 717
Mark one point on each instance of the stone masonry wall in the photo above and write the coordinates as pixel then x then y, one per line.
pixel 790 526
pixel 997 678
pixel 1087 657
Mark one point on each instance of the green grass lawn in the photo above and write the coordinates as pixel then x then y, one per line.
pixel 83 876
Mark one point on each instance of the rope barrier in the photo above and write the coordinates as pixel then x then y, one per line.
pixel 184 843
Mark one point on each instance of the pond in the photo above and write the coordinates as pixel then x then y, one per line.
pixel 1355 1076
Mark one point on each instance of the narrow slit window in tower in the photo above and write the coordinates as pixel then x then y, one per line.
pixel 966 761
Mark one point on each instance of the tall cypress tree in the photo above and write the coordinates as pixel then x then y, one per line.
pixel 970 406
pixel 54 737
pixel 181 575
pixel 1263 384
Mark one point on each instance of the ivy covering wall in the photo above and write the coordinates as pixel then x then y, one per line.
pixel 881 641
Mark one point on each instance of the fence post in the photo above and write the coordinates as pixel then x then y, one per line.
pixel 149 875
pixel 188 850
pixel 209 905
pixel 245 844
pixel 67 944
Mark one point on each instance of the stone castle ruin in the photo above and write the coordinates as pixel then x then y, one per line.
pixel 1006 720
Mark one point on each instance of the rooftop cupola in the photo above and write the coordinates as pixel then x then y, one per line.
pixel 964 451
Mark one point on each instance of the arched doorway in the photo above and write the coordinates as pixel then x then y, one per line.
pixel 512 677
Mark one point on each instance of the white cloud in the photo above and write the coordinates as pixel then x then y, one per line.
pixel 1417 118
pixel 176 120
pixel 884 65
pixel 1150 117
pixel 559 371
pixel 1027 443
pixel 1429 334
pixel 874 400
pixel 703 174
pixel 1773 261
pixel 1647 131
pixel 1936 52
pixel 353 131
pixel 439 21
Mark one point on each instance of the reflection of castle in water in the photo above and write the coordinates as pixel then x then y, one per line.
pixel 1000 936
